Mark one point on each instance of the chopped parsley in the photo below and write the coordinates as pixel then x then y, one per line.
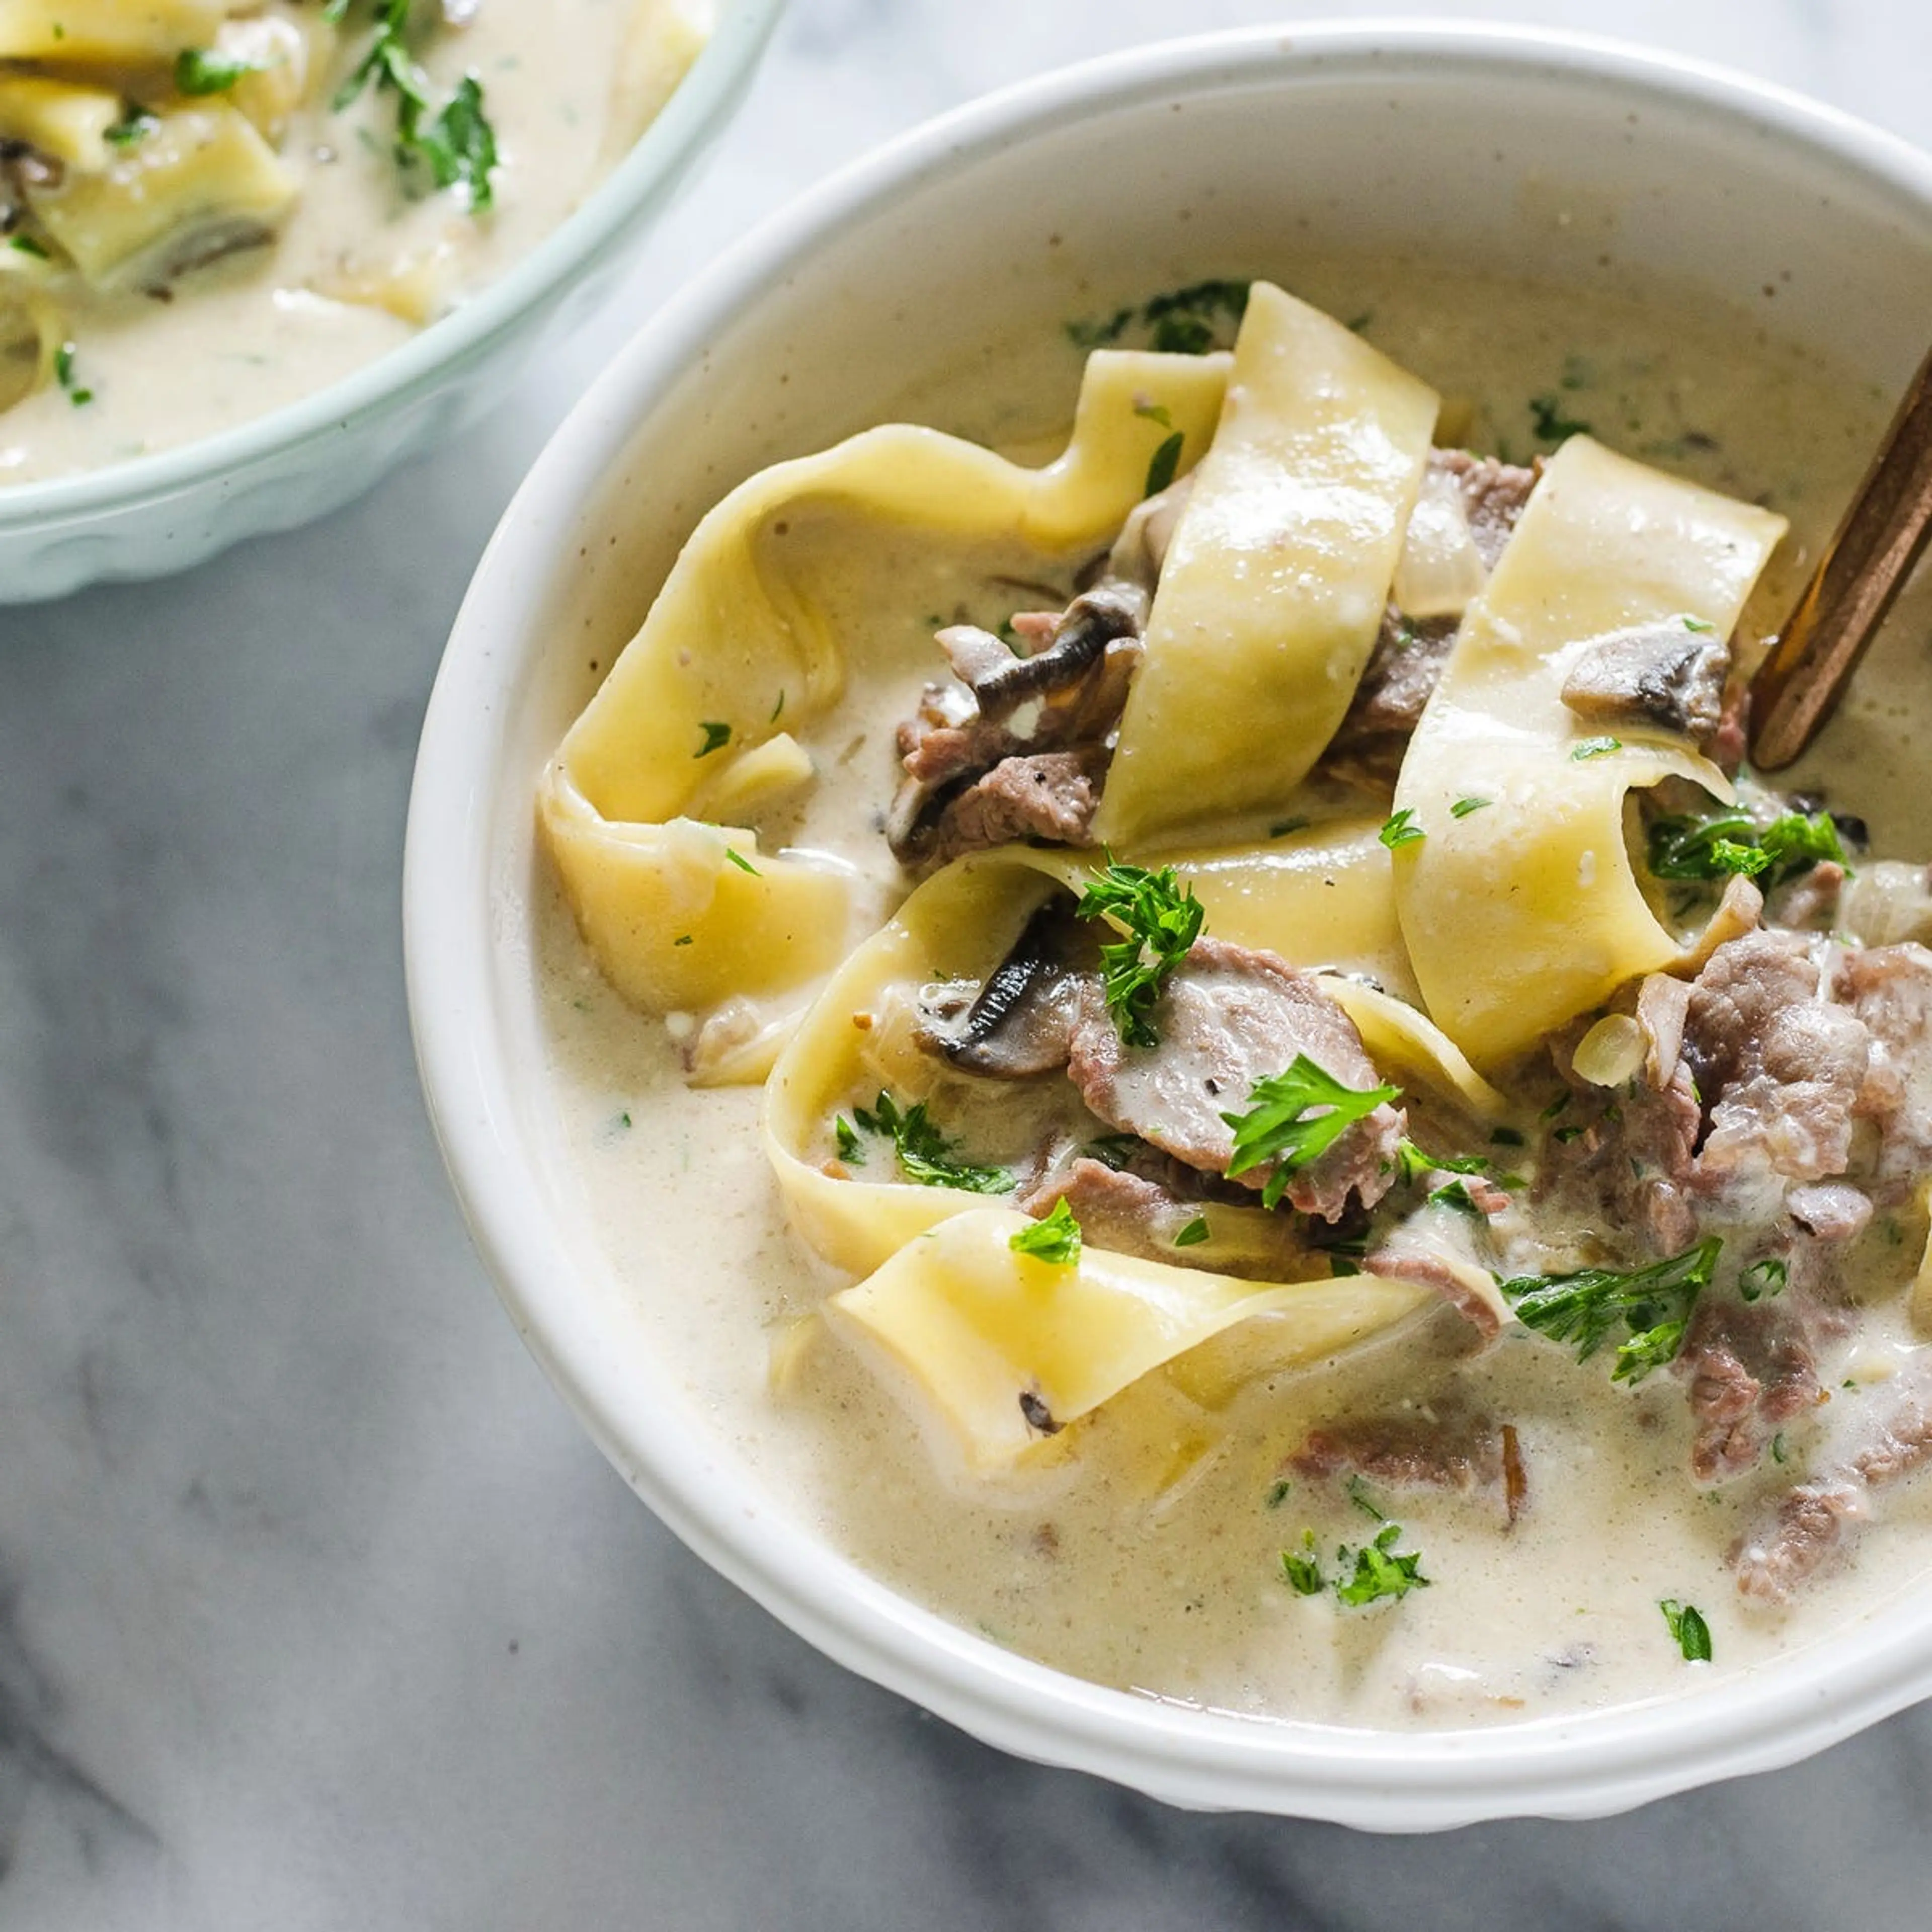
pixel 1188 321
pixel 1302 1568
pixel 1697 624
pixel 1155 413
pixel 1194 1234
pixel 1767 1277
pixel 1400 828
pixel 64 375
pixel 1729 841
pixel 1594 748
pixel 26 245
pixel 1055 1238
pixel 198 72
pixel 137 125
pixel 1278 1493
pixel 1463 807
pixel 743 864
pixel 1550 424
pixel 845 1136
pixel 1688 1630
pixel 1585 1308
pixel 1166 461
pixel 716 737
pixel 1455 1194
pixel 456 142
pixel 1114 1150
pixel 1160 919
pixel 1381 1571
pixel 925 1154
pixel 1279 1127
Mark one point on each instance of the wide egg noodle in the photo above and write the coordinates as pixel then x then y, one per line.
pixel 1006 1346
pixel 1273 589
pixel 972 1323
pixel 736 637
pixel 1525 910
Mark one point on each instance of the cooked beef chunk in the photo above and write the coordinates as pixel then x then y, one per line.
pixel 1809 902
pixel 1659 675
pixel 1444 1447
pixel 1780 1069
pixel 1459 1287
pixel 1494 494
pixel 1047 717
pixel 1889 989
pixel 1230 1017
pixel 1810 1525
pixel 1407 662
pixel 1751 1367
pixel 1022 1020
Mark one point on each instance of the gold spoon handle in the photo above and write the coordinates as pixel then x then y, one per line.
pixel 1864 567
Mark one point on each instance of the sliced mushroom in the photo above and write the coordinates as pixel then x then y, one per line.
pixel 1021 1019
pixel 1664 675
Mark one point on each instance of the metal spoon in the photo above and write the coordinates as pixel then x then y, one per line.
pixel 1864 567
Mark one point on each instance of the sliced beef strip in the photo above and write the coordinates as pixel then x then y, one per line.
pixel 1657 675
pixel 1050 797
pixel 1809 1527
pixel 1443 1447
pixel 1751 1368
pixel 1230 1016
pixel 1780 1069
pixel 1889 989
pixel 1401 1262
pixel 1406 663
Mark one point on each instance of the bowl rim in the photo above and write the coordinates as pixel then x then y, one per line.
pixel 585 236
pixel 1585 1765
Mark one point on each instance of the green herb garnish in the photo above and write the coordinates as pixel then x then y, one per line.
pixel 137 125
pixel 716 736
pixel 26 245
pixel 1688 1630
pixel 1763 1278
pixel 743 864
pixel 1166 461
pixel 1399 828
pixel 1302 1567
pixel 925 1154
pixel 1279 1128
pixel 1380 1571
pixel 1161 919
pixel 1584 1308
pixel 198 71
pixel 1183 322
pixel 1194 1234
pixel 64 375
pixel 1055 1238
pixel 1550 424
pixel 1594 748
pixel 1463 807
pixel 1728 841
pixel 845 1136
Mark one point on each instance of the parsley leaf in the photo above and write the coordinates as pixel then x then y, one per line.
pixel 198 72
pixel 1583 1308
pixel 1194 1234
pixel 1381 1571
pixel 1688 1630
pixel 1551 425
pixel 846 1137
pixel 1055 1238
pixel 1279 1127
pixel 1455 1194
pixel 716 737
pixel 1768 1277
pixel 137 125
pixel 1463 807
pixel 925 1154
pixel 1166 461
pixel 1399 828
pixel 743 864
pixel 456 142
pixel 1302 1567
pixel 1188 321
pixel 1161 919
pixel 64 375
pixel 1594 748
pixel 1729 841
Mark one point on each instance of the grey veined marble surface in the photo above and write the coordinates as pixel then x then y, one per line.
pixel 315 1609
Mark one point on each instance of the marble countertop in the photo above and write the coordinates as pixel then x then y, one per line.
pixel 317 1610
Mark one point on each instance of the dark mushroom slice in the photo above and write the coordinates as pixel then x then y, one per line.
pixel 1664 675
pixel 1001 681
pixel 1020 1022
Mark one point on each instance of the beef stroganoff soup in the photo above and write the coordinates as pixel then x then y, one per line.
pixel 1190 1028
pixel 208 207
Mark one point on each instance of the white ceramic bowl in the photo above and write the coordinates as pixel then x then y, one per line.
pixel 165 512
pixel 1473 140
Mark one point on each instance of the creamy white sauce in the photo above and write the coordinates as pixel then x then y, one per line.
pixel 242 336
pixel 1143 1548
